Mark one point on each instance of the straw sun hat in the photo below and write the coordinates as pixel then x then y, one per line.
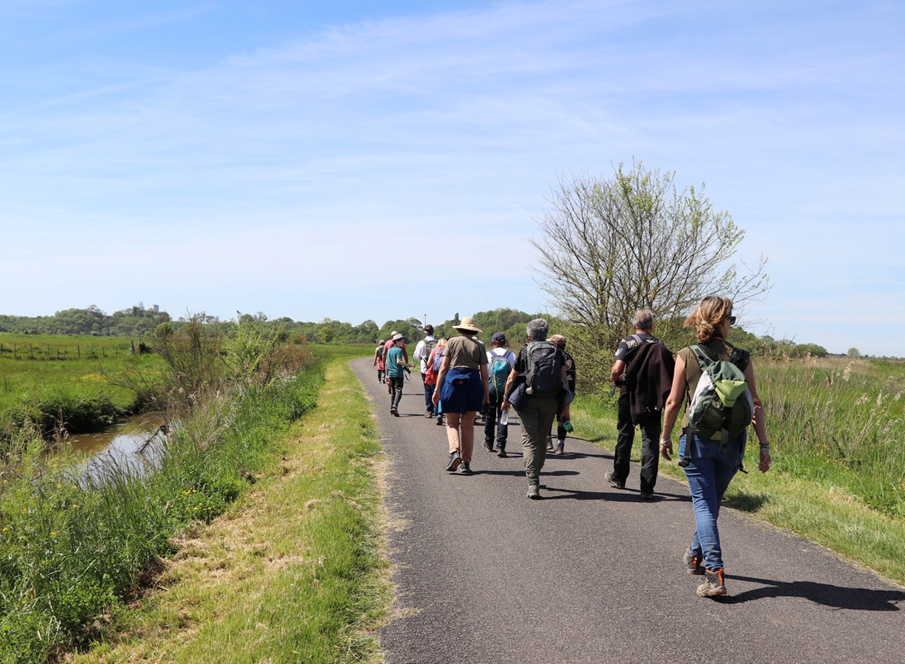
pixel 467 324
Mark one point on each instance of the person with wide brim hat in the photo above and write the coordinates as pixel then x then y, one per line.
pixel 467 325
pixel 396 366
pixel 462 391
pixel 386 349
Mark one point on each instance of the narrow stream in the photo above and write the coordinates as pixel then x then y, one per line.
pixel 127 437
pixel 131 446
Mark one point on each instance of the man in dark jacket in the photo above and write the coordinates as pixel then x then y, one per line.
pixel 651 374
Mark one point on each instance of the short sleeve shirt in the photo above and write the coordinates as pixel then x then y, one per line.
pixel 465 353
pixel 508 355
pixel 394 359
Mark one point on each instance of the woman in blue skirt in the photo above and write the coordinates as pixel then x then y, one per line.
pixel 462 392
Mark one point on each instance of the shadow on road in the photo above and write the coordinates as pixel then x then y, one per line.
pixel 559 494
pixel 838 597
pixel 615 495
pixel 508 473
pixel 578 455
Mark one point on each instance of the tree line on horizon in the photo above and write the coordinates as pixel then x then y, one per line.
pixel 138 321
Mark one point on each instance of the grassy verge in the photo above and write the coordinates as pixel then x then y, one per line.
pixel 72 547
pixel 292 571
pixel 823 512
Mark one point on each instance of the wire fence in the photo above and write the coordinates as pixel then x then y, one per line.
pixel 60 353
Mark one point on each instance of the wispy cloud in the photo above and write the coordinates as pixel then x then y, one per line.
pixel 457 123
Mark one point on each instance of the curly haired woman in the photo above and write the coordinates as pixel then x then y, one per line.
pixel 711 464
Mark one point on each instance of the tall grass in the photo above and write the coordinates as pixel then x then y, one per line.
pixel 840 423
pixel 73 544
pixel 292 572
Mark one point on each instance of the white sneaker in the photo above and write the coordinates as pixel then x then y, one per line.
pixel 533 492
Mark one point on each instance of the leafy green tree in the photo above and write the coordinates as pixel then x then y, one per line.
pixel 609 247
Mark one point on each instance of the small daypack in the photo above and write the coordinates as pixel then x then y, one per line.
pixel 499 372
pixel 428 347
pixel 544 375
pixel 438 359
pixel 721 406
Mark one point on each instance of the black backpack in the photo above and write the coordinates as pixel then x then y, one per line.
pixel 544 376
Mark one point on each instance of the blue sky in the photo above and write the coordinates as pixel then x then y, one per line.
pixel 363 160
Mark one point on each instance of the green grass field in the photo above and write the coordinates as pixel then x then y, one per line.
pixel 72 395
pixel 58 347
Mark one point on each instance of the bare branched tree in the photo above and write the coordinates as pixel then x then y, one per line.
pixel 634 241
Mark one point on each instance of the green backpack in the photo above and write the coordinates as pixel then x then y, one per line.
pixel 721 406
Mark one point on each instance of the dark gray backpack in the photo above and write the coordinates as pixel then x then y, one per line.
pixel 544 376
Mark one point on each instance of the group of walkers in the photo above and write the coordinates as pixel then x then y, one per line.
pixel 713 379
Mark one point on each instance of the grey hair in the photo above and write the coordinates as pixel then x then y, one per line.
pixel 643 320
pixel 537 329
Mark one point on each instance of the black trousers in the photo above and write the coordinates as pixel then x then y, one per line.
pixel 491 428
pixel 396 383
pixel 650 442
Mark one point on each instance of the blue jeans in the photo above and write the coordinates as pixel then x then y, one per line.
pixel 428 395
pixel 709 475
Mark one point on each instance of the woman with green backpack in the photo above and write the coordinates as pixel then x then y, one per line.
pixel 716 382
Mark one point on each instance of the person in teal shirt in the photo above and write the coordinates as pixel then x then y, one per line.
pixel 396 365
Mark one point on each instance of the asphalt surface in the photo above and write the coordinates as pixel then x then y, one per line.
pixel 591 573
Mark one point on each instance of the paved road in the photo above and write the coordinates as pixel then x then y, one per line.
pixel 590 574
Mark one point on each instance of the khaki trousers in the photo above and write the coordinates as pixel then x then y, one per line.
pixel 537 421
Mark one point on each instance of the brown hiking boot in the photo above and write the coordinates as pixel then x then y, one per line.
pixel 713 585
pixel 692 563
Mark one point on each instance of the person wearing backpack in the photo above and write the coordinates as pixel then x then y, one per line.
pixel 643 323
pixel 543 366
pixel 434 362
pixel 716 382
pixel 378 361
pixel 500 361
pixel 421 355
